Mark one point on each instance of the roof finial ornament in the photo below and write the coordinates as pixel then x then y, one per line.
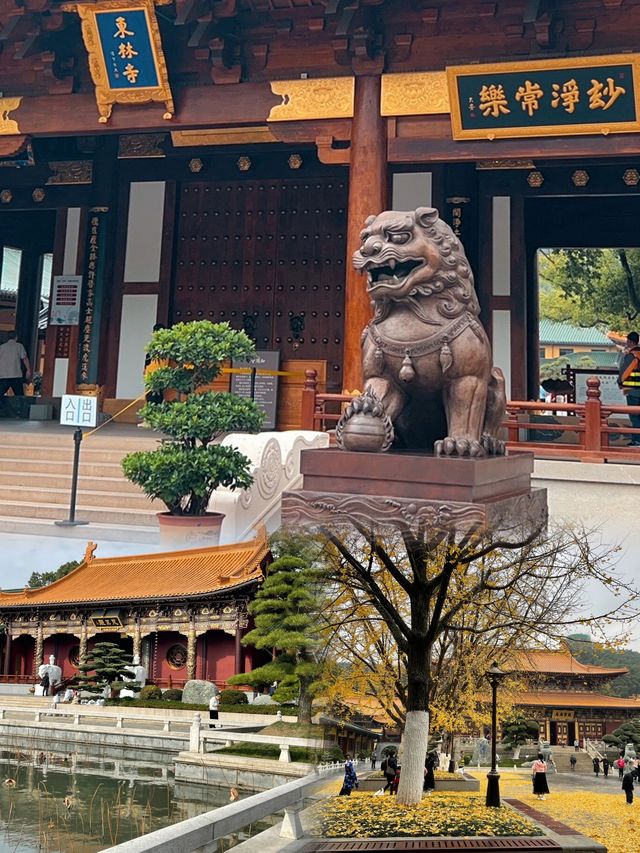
pixel 89 551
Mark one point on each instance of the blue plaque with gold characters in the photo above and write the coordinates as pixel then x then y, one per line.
pixel 125 54
pixel 554 97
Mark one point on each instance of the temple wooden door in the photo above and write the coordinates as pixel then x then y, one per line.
pixel 268 256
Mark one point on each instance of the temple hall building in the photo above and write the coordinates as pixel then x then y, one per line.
pixel 175 161
pixel 184 613
pixel 567 697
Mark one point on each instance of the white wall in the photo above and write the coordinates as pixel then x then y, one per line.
pixel 501 322
pixel 410 190
pixel 137 320
pixel 144 231
pixel 501 246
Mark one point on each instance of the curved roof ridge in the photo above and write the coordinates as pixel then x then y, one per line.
pixel 168 574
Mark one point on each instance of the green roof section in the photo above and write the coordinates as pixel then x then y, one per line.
pixel 600 359
pixel 564 333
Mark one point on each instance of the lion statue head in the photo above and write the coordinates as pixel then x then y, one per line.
pixel 411 254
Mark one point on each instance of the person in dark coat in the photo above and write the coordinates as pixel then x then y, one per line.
pixel 605 766
pixel 430 764
pixel 44 683
pixel 539 774
pixel 350 778
pixel 389 767
pixel 573 761
pixel 627 786
pixel 596 766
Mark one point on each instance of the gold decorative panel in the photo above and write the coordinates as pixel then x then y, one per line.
pixel 327 97
pixel 222 136
pixel 421 93
pixel 8 126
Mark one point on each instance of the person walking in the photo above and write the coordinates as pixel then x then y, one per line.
pixel 350 780
pixel 605 766
pixel 389 767
pixel 620 766
pixel 627 786
pixel 373 760
pixel 596 766
pixel 576 745
pixel 572 761
pixel 214 703
pixel 539 776
pixel 629 380
pixel 44 683
pixel 430 764
pixel 13 358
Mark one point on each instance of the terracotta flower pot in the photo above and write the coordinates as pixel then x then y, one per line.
pixel 190 531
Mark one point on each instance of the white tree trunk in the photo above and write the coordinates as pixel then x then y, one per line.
pixel 516 752
pixel 414 751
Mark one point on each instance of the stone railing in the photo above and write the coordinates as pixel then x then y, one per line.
pixel 77 716
pixel 200 736
pixel 203 833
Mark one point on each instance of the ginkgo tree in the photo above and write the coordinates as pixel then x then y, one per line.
pixel 424 583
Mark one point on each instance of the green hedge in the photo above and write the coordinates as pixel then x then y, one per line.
pixel 188 706
pixel 298 753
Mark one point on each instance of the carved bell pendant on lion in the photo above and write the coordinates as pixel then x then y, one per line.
pixel 429 379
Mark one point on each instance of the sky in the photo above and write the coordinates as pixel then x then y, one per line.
pixel 22 555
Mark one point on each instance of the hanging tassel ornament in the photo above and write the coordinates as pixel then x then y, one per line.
pixel 446 358
pixel 407 373
pixel 378 360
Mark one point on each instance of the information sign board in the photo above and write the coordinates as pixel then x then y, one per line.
pixel 65 300
pixel 79 411
pixel 610 393
pixel 265 385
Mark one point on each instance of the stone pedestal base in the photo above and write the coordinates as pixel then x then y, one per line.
pixel 399 489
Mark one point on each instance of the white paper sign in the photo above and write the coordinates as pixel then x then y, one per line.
pixel 610 393
pixel 65 300
pixel 79 411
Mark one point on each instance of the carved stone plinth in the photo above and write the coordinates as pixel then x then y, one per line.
pixel 399 489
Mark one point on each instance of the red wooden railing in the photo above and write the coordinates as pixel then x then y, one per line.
pixel 587 436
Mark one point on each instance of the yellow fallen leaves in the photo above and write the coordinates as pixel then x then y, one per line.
pixel 364 815
pixel 605 817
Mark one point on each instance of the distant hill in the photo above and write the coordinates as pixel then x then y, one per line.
pixel 586 651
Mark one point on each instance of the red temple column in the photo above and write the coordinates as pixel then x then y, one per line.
pixel 238 668
pixel 367 195
pixel 7 651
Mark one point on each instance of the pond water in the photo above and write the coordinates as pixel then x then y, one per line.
pixel 67 804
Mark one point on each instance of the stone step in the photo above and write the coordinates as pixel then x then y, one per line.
pixel 47 452
pixel 94 514
pixel 98 531
pixel 86 497
pixel 11 464
pixel 46 479
pixel 64 438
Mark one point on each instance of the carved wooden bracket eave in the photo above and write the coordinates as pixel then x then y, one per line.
pixel 329 155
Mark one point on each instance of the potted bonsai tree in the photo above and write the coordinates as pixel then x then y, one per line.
pixel 189 464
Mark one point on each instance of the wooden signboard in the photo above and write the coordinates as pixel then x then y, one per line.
pixel 262 387
pixel 592 94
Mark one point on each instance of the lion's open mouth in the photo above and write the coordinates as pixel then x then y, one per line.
pixel 392 274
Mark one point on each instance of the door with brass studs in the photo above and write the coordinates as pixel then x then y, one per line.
pixel 267 256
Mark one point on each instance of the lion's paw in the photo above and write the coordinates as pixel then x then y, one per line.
pixel 493 446
pixel 451 446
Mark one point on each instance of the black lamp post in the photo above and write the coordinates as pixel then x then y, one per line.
pixel 494 676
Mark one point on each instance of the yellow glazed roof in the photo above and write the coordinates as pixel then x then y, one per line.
pixel 559 663
pixel 165 575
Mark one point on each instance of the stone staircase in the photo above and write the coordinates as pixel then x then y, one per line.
pixel 36 468
pixel 584 763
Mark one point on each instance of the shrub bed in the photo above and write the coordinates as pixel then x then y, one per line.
pixel 266 750
pixel 367 816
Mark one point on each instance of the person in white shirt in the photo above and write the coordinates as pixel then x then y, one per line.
pixel 213 711
pixel 12 356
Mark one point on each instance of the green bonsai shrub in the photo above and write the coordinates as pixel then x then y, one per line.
pixel 172 695
pixel 233 697
pixel 189 465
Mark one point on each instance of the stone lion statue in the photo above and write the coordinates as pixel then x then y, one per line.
pixel 426 357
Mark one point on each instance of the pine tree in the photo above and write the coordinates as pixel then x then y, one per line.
pixel 285 612
pixel 107 665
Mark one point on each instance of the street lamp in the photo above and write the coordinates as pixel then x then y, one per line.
pixel 494 676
